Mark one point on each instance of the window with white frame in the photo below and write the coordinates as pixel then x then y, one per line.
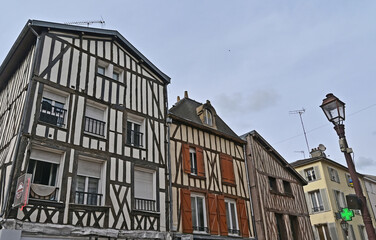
pixel 317 203
pixel 53 110
pixel 44 167
pixel 109 70
pixel 193 160
pixel 135 131
pixel 89 182
pixel 208 118
pixel 145 190
pixel 231 217
pixel 95 119
pixel 198 213
pixel 310 174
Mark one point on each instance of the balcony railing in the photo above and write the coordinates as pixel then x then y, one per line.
pixel 94 126
pixel 134 138
pixel 318 209
pixel 200 229
pixel 88 198
pixel 52 114
pixel 233 231
pixel 145 205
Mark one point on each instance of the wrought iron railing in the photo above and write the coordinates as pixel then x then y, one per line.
pixel 200 229
pixel 134 138
pixel 318 209
pixel 233 231
pixel 88 198
pixel 94 126
pixel 52 114
pixel 145 204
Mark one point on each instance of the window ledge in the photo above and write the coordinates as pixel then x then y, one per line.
pixel 196 176
pixel 88 207
pixel 147 212
pixel 130 145
pixel 52 125
pixel 96 136
pixel 229 184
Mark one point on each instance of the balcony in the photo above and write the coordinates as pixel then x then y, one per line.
pixel 94 126
pixel 233 231
pixel 201 229
pixel 145 205
pixel 134 138
pixel 43 192
pixel 52 114
pixel 88 198
pixel 318 209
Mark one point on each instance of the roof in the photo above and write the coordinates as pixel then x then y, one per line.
pixel 26 39
pixel 257 137
pixel 185 110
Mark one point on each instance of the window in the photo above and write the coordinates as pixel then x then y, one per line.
pixel 145 190
pixel 115 76
pixel 44 167
pixel 193 160
pixel 101 70
pixel 94 120
pixel 340 199
pixel 231 217
pixel 310 174
pixel 52 108
pixel 134 134
pixel 333 174
pixel 208 118
pixel 198 213
pixel 88 182
pixel 349 180
pixel 109 70
pixel 317 203
pixel 287 187
pixel 273 184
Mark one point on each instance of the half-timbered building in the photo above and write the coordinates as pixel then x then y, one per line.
pixel 280 209
pixel 210 194
pixel 82 137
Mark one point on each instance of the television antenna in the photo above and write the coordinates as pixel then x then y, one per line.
pixel 302 152
pixel 87 23
pixel 300 112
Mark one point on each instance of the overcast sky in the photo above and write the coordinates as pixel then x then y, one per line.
pixel 254 60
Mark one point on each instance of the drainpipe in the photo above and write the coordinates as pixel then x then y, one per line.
pixel 23 119
pixel 249 188
pixel 169 122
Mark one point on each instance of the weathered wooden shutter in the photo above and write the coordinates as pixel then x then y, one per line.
pixel 213 216
pixel 324 197
pixel 333 231
pixel 186 210
pixel 200 162
pixel 227 169
pixel 243 219
pixel 222 215
pixel 309 203
pixel 317 172
pixel 186 158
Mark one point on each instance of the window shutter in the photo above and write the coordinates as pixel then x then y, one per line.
pixel 186 158
pixel 222 215
pixel 45 156
pixel 324 198
pixel 336 176
pixel 333 231
pixel 243 219
pixel 227 169
pixel 186 210
pixel 331 174
pixel 309 205
pixel 213 217
pixel 317 172
pixel 200 162
pixel 89 168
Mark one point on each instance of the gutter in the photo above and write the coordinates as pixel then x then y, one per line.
pixel 23 120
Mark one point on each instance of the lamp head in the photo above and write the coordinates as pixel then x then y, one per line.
pixel 334 109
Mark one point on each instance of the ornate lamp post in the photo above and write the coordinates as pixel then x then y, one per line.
pixel 345 227
pixel 334 110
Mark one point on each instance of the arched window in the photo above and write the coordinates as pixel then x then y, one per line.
pixel 208 119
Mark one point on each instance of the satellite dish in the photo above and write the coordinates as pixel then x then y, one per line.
pixel 322 147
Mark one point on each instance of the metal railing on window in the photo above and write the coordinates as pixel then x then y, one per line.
pixel 233 231
pixel 134 138
pixel 145 205
pixel 52 114
pixel 94 126
pixel 200 229
pixel 318 209
pixel 88 198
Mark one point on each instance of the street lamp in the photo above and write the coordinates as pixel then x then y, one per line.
pixel 334 110
pixel 345 227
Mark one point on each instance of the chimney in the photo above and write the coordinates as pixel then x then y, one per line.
pixel 318 152
pixel 185 94
pixel 178 99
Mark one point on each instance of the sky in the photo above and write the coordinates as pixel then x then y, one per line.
pixel 255 60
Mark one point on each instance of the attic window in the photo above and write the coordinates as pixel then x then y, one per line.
pixel 208 119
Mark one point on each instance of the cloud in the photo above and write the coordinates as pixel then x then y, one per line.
pixel 365 162
pixel 374 133
pixel 256 101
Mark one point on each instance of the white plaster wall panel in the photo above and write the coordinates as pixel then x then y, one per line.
pixel 98 91
pixel 61 135
pixel 100 48
pixel 121 95
pixel 45 54
pixel 40 130
pixel 113 169
pixel 149 142
pixel 162 141
pixel 92 47
pixel 102 145
pixel 184 133
pixel 74 70
pixel 138 68
pixel 133 65
pixel 84 59
pixel 162 178
pixel 78 123
pixel 71 160
pixel 121 172
pixel 84 44
pixel 94 143
pixel 68 39
pixel 155 98
pixel 127 61
pixel 106 90
pixel 112 119
pixel 162 103
pixel 136 153
pixel 65 68
pixel 54 72
pixel 108 50
pixel 139 94
pixel 85 142
pixel 127 151
pixel 121 57
pixel 190 137
pixel 119 146
pixel 77 42
pixel 133 92
pixel 119 126
pixel 228 149
pixel 128 92
pixel 70 132
pixel 113 93
pixel 144 91
pixel 91 77
pixel 111 142
pixel 156 142
pixel 150 99
pixel 115 53
pixel 57 49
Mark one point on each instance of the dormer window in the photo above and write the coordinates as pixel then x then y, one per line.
pixel 208 119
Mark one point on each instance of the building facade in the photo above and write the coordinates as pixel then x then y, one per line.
pixel 328 184
pixel 280 209
pixel 82 122
pixel 208 175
